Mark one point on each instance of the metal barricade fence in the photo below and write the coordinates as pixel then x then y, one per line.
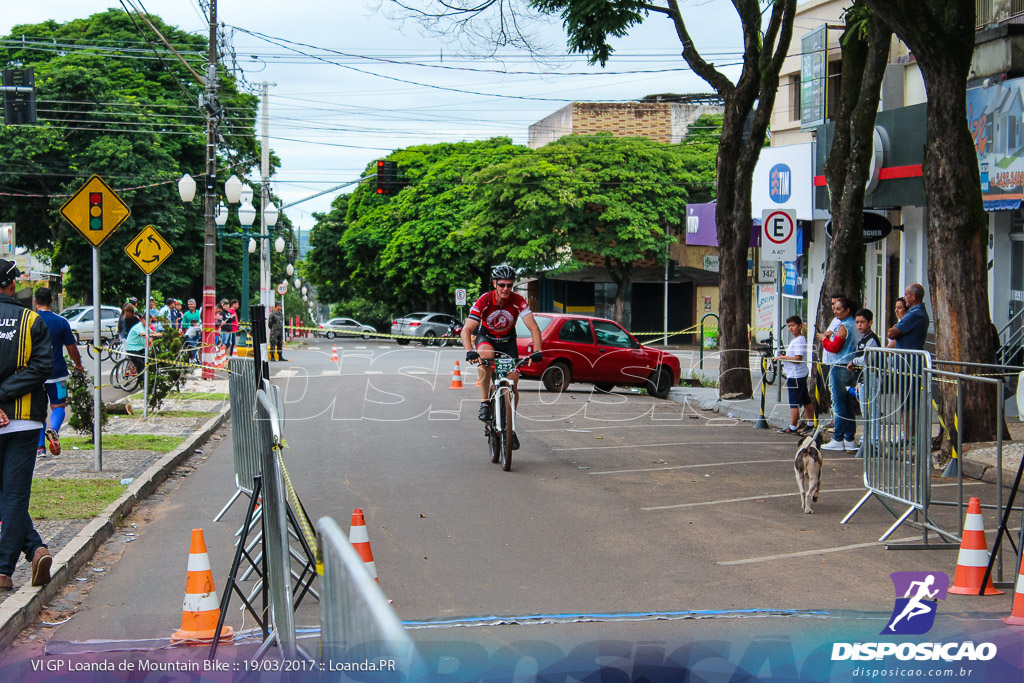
pixel 897 414
pixel 356 621
pixel 275 529
pixel 244 436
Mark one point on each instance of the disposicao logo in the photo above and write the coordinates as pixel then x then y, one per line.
pixel 917 594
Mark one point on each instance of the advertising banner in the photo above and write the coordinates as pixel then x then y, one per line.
pixel 994 114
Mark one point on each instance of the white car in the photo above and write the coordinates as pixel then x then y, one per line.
pixel 345 327
pixel 81 319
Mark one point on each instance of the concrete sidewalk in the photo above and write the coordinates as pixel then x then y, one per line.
pixel 73 542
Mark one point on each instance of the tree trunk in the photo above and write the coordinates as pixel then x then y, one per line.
pixel 941 35
pixel 622 276
pixel 847 166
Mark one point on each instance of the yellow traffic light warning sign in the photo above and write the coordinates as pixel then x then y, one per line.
pixel 149 250
pixel 95 210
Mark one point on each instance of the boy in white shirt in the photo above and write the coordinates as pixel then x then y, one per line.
pixel 796 371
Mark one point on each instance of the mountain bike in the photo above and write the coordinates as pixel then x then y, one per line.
pixel 124 376
pixel 502 423
pixel 769 366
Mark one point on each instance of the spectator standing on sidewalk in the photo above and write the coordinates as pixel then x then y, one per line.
pixel 796 371
pixel 26 359
pixel 839 350
pixel 900 310
pixel 911 331
pixel 276 324
pixel 868 339
pixel 61 337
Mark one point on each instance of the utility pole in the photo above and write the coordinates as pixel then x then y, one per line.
pixel 266 289
pixel 210 201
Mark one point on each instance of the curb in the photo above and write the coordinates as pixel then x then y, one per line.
pixel 708 399
pixel 21 609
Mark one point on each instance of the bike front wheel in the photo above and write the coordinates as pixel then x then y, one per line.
pixel 124 376
pixel 505 433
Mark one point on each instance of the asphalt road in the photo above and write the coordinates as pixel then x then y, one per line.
pixel 616 503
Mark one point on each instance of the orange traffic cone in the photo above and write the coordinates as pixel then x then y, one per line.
pixel 360 540
pixel 334 353
pixel 973 559
pixel 456 377
pixel 1016 617
pixel 201 609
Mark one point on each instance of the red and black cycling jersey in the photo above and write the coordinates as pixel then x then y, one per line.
pixel 498 320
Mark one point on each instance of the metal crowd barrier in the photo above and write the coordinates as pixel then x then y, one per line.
pixel 897 416
pixel 356 622
pixel 275 531
pixel 244 436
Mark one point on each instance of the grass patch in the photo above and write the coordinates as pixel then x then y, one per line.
pixel 184 413
pixel 126 442
pixel 697 379
pixel 72 498
pixel 189 396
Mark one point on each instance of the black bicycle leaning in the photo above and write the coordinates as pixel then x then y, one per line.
pixel 769 366
pixel 502 423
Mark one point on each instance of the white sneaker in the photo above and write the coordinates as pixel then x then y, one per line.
pixel 851 446
pixel 835 445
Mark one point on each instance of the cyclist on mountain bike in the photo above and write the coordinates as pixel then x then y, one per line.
pixel 492 321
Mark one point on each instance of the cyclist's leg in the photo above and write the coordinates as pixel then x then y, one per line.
pixel 486 350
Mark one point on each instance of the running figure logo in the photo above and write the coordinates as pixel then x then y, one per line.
pixel 914 612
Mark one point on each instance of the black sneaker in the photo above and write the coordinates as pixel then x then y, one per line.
pixel 485 412
pixel 515 442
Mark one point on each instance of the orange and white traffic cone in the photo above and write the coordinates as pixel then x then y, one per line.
pixel 1016 617
pixel 360 540
pixel 456 377
pixel 973 559
pixel 201 609
pixel 334 353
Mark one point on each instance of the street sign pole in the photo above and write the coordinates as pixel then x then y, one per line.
pixel 97 396
pixel 145 358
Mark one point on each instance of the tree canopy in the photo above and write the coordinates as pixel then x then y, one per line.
pixel 467 206
pixel 110 104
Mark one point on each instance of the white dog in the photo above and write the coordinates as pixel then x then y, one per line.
pixel 807 466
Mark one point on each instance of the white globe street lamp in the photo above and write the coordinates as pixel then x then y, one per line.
pixel 270 214
pixel 289 270
pixel 187 188
pixel 246 193
pixel 233 189
pixel 222 215
pixel 252 246
pixel 279 245
pixel 246 214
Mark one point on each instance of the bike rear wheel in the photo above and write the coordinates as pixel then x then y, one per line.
pixel 768 367
pixel 103 351
pixel 505 406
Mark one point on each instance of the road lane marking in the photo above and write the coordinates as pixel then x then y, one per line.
pixel 837 549
pixel 859 489
pixel 373 372
pixel 285 373
pixel 656 445
pixel 713 464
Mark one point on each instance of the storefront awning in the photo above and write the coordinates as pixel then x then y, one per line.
pixel 1002 204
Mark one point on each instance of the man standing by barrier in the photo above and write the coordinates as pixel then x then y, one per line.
pixel 911 331
pixel 26 358
pixel 61 337
pixel 276 324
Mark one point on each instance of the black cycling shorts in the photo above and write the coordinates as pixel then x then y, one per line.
pixel 504 347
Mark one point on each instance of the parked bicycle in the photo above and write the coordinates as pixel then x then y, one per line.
pixel 502 424
pixel 769 366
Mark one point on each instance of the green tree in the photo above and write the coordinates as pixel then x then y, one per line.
pixel 107 105
pixel 613 198
pixel 590 25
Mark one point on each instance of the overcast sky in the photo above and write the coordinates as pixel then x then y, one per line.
pixel 331 114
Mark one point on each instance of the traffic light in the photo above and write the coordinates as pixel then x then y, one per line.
pixel 387 177
pixel 95 210
pixel 19 96
pixel 672 272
